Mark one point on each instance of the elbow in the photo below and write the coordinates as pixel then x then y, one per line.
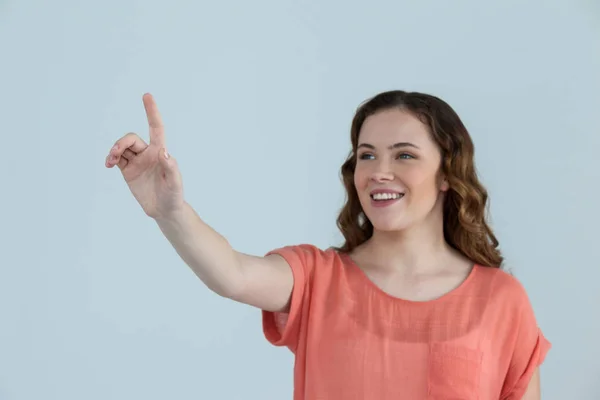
pixel 233 290
pixel 233 284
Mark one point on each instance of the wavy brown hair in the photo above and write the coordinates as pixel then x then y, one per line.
pixel 466 202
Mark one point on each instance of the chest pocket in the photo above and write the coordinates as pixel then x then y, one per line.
pixel 454 372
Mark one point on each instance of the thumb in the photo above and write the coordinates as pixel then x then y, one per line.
pixel 169 165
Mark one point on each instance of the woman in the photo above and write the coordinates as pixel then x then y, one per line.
pixel 414 305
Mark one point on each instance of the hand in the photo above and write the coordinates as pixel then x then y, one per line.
pixel 150 172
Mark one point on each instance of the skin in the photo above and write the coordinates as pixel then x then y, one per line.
pixel 533 391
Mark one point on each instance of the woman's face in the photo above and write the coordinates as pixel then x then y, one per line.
pixel 397 171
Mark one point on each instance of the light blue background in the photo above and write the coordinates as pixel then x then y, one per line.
pixel 257 98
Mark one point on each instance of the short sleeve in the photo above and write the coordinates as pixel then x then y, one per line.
pixel 529 351
pixel 283 329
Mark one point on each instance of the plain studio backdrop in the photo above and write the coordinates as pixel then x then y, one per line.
pixel 257 99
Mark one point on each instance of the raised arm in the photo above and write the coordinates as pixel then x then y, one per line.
pixel 156 183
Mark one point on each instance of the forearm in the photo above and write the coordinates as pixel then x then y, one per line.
pixel 204 250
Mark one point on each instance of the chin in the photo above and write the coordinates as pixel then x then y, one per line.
pixel 388 225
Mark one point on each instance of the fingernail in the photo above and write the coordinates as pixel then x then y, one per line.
pixel 166 154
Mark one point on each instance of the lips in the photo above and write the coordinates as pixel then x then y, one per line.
pixel 385 197
pixel 386 194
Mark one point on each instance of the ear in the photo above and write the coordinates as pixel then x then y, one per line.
pixel 444 185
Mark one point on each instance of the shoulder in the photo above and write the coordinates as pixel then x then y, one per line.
pixel 502 280
pixel 503 288
pixel 303 250
pixel 509 310
pixel 307 256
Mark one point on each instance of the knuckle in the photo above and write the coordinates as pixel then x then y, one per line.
pixel 131 136
pixel 126 141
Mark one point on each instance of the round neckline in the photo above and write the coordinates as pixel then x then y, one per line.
pixel 365 278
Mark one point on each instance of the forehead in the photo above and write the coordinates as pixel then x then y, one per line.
pixel 391 126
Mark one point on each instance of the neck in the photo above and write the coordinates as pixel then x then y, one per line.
pixel 418 249
pixel 407 251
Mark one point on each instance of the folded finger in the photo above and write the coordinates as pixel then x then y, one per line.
pixel 130 141
pixel 122 163
pixel 128 155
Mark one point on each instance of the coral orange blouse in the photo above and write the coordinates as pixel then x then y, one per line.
pixel 351 340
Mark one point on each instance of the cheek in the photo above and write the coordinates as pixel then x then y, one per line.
pixel 419 179
pixel 360 179
pixel 361 182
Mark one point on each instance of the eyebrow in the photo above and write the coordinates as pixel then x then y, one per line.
pixel 392 147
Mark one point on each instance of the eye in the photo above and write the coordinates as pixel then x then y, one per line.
pixel 405 156
pixel 365 156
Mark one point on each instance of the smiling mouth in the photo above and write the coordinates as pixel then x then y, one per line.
pixel 386 196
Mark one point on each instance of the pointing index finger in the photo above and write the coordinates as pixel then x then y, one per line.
pixel 157 131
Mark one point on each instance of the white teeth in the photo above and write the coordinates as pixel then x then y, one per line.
pixel 387 196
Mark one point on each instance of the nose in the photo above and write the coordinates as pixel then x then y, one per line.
pixel 382 176
pixel 382 173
